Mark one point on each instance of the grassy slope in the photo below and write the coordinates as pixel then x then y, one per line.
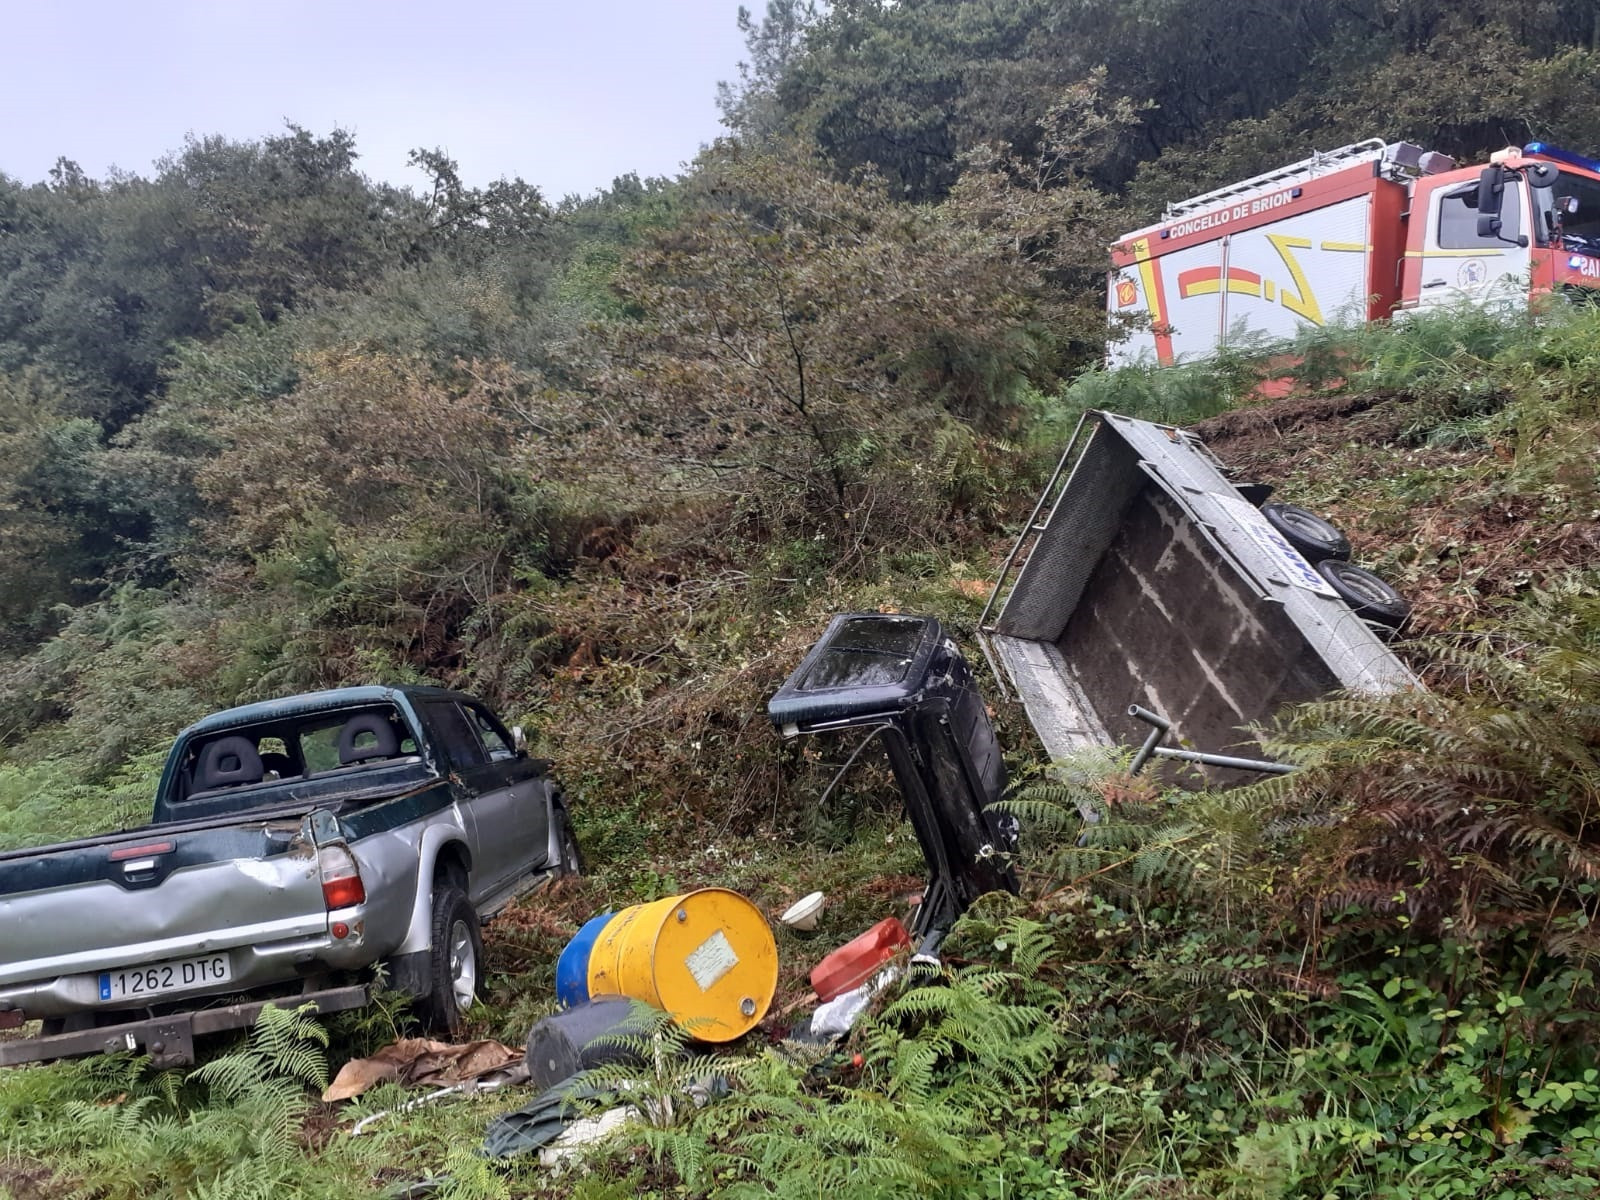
pixel 1460 458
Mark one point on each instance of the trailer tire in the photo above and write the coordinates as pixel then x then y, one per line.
pixel 1369 597
pixel 455 961
pixel 1308 533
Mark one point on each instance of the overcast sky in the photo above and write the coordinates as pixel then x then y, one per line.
pixel 566 95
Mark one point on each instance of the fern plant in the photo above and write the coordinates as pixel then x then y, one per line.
pixel 1471 809
pixel 228 1131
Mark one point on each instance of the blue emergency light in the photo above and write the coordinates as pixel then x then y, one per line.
pixel 1545 150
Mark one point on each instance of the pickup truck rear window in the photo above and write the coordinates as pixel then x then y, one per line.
pixel 275 751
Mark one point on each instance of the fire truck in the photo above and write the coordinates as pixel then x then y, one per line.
pixel 1355 234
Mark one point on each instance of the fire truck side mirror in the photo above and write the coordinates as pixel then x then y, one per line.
pixel 1491 191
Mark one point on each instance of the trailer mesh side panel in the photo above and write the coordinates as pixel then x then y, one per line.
pixel 1079 528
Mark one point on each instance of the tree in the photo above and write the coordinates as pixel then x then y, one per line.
pixel 802 343
pixel 752 108
pixel 38 555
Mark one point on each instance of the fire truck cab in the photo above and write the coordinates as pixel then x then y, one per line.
pixel 1526 225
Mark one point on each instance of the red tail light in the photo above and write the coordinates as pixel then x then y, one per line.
pixel 122 853
pixel 341 880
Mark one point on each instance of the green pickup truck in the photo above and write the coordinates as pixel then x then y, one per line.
pixel 296 845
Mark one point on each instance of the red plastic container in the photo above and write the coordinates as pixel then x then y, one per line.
pixel 857 961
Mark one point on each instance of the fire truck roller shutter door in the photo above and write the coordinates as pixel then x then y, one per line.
pixel 1306 270
pixel 1190 280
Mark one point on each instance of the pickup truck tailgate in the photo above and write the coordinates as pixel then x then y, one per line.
pixel 83 910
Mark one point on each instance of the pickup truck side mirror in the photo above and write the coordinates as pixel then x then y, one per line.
pixel 1491 194
pixel 519 740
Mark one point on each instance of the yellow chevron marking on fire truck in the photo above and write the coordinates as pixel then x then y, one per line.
pixel 1147 273
pixel 1304 303
pixel 1210 287
pixel 1348 247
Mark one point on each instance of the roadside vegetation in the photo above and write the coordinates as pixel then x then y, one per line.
pixel 266 426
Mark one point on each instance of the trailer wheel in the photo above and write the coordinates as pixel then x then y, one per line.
pixel 1369 597
pixel 455 961
pixel 1308 533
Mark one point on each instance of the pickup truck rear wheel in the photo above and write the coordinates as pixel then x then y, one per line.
pixel 454 962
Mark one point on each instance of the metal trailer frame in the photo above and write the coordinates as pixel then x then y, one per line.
pixel 1092 486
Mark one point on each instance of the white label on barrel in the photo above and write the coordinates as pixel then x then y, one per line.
pixel 711 960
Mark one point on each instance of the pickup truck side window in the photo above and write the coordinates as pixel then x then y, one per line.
pixel 455 734
pixel 495 738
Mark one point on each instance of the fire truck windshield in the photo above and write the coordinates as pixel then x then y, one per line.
pixel 1573 205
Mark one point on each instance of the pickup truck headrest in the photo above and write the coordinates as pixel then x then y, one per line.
pixel 228 762
pixel 384 744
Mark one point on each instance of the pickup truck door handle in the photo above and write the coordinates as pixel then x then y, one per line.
pixel 1435 283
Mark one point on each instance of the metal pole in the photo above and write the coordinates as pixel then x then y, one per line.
pixel 1225 760
pixel 1162 726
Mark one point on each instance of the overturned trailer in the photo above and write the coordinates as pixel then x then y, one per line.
pixel 1149 581
pixel 1155 599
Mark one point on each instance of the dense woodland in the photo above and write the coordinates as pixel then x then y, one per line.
pixel 269 425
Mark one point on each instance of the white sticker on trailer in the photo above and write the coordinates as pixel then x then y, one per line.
pixel 1300 573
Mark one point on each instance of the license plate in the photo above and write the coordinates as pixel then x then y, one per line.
pixel 180 974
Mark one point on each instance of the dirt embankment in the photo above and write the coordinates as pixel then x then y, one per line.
pixel 1458 524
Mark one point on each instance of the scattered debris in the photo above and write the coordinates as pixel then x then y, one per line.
pixel 901 682
pixel 706 958
pixel 418 1062
pixel 576 1113
pixel 858 960
pixel 587 1131
pixel 543 1119
pixel 582 1037
pixel 839 1015
pixel 804 913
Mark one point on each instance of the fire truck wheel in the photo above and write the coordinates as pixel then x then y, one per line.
pixel 1306 532
pixel 1369 597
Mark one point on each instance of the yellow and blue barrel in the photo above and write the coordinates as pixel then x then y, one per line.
pixel 572 968
pixel 707 958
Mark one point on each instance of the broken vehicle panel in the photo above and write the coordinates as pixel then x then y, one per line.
pixel 901 679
